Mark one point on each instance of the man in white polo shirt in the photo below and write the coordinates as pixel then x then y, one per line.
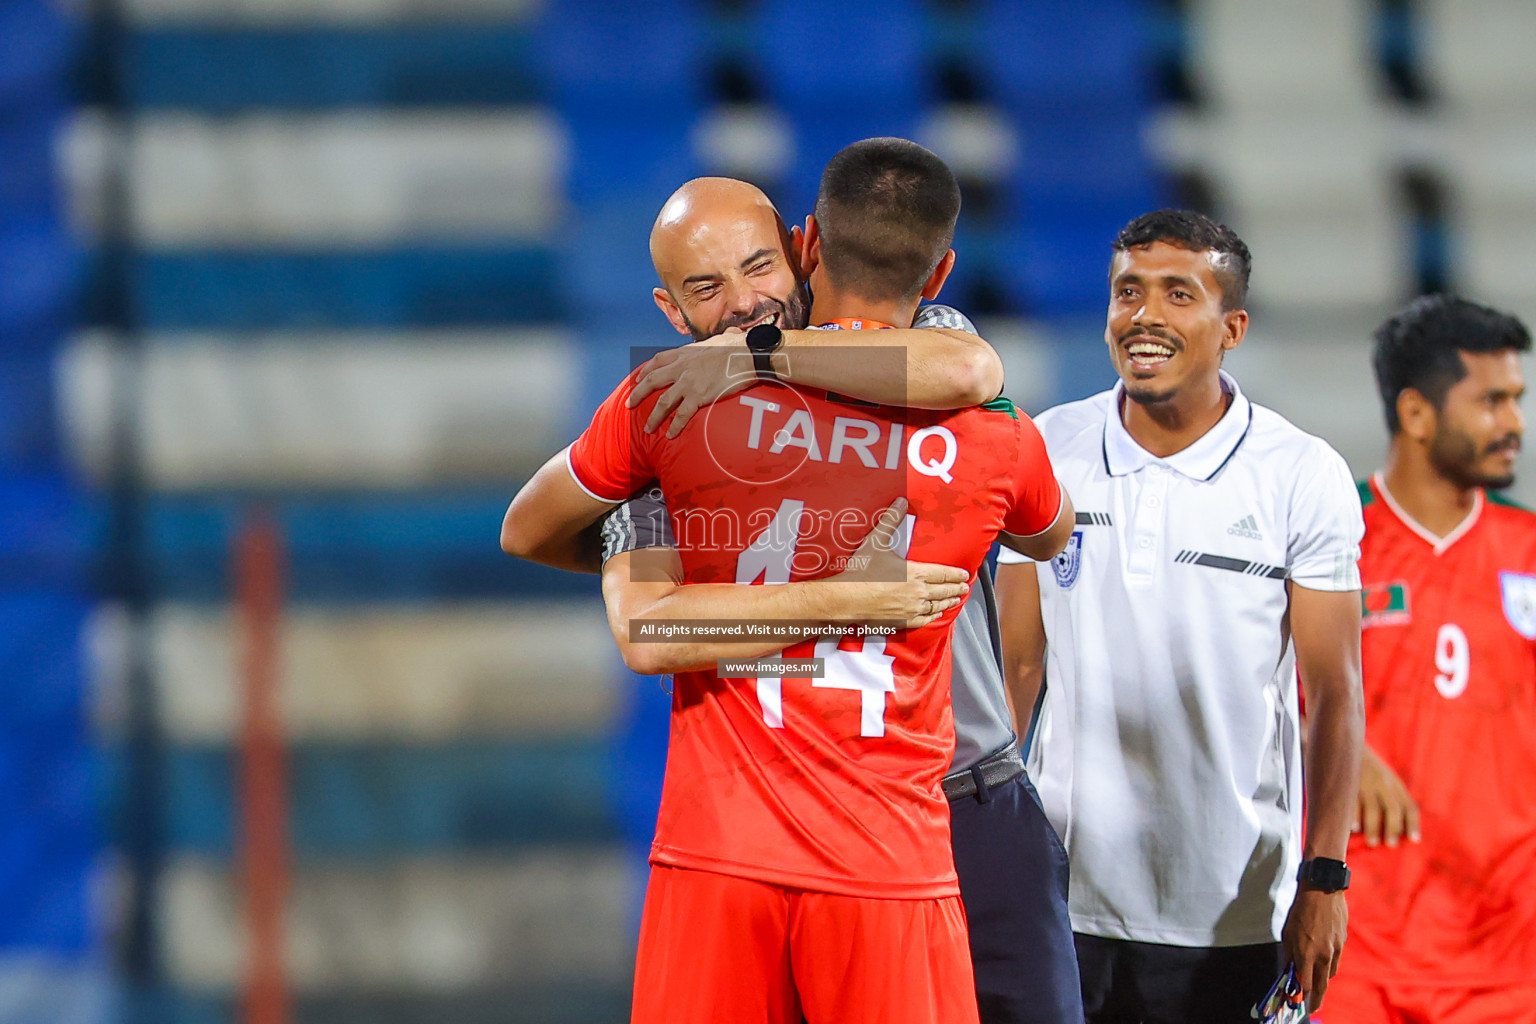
pixel 1214 556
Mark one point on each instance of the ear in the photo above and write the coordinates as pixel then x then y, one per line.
pixel 1416 414
pixel 935 283
pixel 810 246
pixel 1234 329
pixel 670 309
pixel 796 246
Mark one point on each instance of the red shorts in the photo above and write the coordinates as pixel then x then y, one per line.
pixel 715 948
pixel 1351 999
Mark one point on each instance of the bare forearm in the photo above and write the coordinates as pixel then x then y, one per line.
pixel 878 586
pixel 1325 627
pixel 943 369
pixel 690 656
pixel 576 550
pixel 553 522
pixel 1335 727
pixel 1023 686
pixel 808 605
pixel 1023 632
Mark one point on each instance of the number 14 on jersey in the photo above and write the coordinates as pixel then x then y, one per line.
pixel 868 671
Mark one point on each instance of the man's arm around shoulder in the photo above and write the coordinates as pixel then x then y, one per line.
pixel 553 520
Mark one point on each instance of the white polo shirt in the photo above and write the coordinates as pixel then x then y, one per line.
pixel 1168 749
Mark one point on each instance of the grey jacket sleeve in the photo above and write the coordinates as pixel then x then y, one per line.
pixel 935 315
pixel 641 522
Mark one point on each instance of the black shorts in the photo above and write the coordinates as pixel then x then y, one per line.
pixel 1128 982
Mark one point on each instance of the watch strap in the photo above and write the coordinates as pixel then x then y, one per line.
pixel 763 341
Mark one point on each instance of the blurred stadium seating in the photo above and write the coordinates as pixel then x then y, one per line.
pixel 371 261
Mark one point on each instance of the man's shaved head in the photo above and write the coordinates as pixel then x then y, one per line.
pixel 706 204
pixel 725 259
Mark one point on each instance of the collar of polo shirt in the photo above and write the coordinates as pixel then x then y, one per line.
pixel 1200 461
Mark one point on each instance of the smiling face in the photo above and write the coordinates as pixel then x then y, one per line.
pixel 1166 328
pixel 1478 427
pixel 724 260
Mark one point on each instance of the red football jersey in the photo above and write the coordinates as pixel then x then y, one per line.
pixel 1449 649
pixel 829 784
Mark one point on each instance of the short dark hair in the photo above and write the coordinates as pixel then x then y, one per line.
pixel 1186 229
pixel 886 211
pixel 1420 347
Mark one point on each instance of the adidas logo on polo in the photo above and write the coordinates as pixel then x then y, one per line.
pixel 1246 527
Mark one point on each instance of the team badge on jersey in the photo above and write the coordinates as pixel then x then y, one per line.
pixel 1067 564
pixel 1519 593
pixel 1384 604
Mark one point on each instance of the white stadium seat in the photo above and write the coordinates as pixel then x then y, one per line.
pixel 1497 249
pixel 424 925
pixel 1312 197
pixel 345 179
pixel 1305 55
pixel 326 411
pixel 1320 381
pixel 1491 160
pixel 385 673
pixel 1478 53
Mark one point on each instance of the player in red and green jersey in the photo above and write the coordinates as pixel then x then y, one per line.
pixel 802 856
pixel 1443 926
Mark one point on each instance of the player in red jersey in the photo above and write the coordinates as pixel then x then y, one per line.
pixel 1443 926
pixel 803 851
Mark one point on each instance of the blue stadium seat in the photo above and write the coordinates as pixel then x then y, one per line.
pixel 226 71
pixel 1096 156
pixel 630 81
pixel 43 662
pixel 38 270
pixel 835 56
pixel 1056 257
pixel 47 773
pixel 620 60
pixel 638 160
pixel 841 70
pixel 28 427
pixel 1077 183
pixel 258 290
pixel 1062 55
pixel 377 801
pixel 352 548
pixel 46 535
pixel 28 170
pixel 37 43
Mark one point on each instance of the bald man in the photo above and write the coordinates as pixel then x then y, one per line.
pixel 736 265
pixel 726 260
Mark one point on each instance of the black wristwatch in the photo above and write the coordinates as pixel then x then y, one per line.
pixel 1324 874
pixel 764 340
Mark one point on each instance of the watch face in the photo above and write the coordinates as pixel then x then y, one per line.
pixel 1325 874
pixel 764 338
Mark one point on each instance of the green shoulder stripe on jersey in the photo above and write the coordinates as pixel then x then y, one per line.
pixel 1500 499
pixel 1366 497
pixel 1001 404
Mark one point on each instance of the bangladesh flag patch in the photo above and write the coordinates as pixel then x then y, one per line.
pixel 1384 604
